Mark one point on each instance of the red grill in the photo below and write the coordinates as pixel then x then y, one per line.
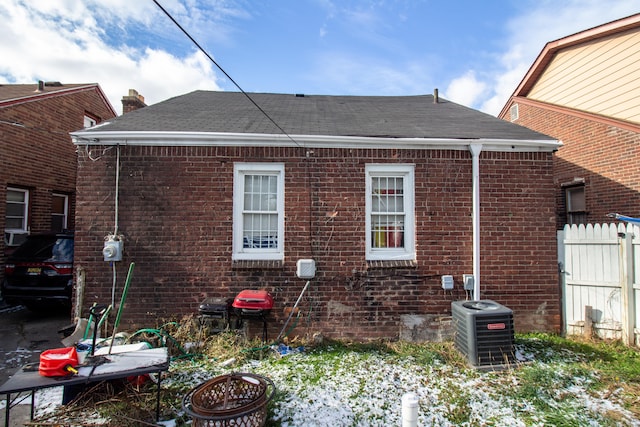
pixel 254 304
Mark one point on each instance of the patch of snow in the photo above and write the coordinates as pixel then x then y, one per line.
pixel 365 390
pixel 17 358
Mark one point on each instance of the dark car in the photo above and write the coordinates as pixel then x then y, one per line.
pixel 39 274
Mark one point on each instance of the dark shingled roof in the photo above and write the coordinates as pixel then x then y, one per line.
pixel 361 116
pixel 21 91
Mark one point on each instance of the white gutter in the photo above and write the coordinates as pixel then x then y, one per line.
pixel 155 138
pixel 475 168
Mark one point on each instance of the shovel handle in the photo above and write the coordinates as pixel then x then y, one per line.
pixel 122 299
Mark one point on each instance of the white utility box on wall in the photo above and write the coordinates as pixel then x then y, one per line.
pixel 306 268
pixel 447 282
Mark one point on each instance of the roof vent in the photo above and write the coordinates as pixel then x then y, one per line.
pixel 299 95
pixel 514 113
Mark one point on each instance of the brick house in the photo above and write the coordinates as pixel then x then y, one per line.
pixel 211 195
pixel 38 160
pixel 583 90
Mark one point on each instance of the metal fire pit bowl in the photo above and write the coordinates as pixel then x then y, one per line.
pixel 237 399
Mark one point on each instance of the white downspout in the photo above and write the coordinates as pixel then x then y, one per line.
pixel 475 150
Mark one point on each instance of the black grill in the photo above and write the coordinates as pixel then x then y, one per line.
pixel 214 314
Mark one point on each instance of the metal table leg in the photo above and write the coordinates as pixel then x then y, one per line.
pixel 7 410
pixel 158 397
pixel 33 402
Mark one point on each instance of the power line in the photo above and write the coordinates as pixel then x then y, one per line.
pixel 255 104
pixel 225 73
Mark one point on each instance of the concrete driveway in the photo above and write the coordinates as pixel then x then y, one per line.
pixel 23 336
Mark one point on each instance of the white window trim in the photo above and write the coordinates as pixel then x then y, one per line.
pixel 25 222
pixel 407 171
pixel 10 234
pixel 89 122
pixel 257 254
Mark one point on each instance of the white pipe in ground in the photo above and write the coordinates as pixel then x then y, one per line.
pixel 409 410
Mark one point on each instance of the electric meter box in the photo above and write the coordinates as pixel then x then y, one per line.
pixel 112 250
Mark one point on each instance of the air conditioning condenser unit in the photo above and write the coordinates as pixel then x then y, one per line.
pixel 484 332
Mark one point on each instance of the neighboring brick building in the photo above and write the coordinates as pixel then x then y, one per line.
pixel 213 197
pixel 38 161
pixel 584 90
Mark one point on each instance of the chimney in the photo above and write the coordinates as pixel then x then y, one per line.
pixel 40 86
pixel 133 101
pixel 436 99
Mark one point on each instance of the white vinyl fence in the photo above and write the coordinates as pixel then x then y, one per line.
pixel 600 279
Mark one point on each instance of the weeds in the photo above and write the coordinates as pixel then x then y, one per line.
pixel 562 382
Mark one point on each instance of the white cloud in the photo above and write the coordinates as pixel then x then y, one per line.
pixel 466 89
pixel 64 43
pixel 503 87
pixel 162 73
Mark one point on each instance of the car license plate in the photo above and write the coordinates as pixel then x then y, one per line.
pixel 34 271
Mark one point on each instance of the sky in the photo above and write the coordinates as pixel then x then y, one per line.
pixel 475 52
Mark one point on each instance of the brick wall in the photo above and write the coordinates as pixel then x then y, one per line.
pixel 39 156
pixel 605 156
pixel 175 212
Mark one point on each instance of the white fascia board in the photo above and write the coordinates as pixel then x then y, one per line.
pixel 152 138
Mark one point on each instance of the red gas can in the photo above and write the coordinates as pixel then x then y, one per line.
pixel 58 362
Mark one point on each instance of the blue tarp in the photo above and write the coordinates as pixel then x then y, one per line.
pixel 625 218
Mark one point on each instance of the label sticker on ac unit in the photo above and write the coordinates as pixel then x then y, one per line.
pixel 493 326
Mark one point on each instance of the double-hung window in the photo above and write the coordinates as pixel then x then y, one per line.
pixel 390 212
pixel 258 211
pixel 17 219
